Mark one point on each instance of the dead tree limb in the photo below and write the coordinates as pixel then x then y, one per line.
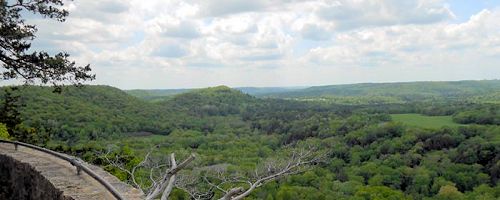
pixel 162 176
pixel 166 180
pixel 171 181
pixel 298 161
pixel 205 183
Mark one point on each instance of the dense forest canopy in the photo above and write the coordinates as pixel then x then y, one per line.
pixel 362 93
pixel 409 90
pixel 373 152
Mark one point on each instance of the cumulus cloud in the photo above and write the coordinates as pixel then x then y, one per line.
pixel 226 7
pixel 414 45
pixel 179 29
pixel 194 43
pixel 170 51
pixel 315 32
pixel 348 14
pixel 103 10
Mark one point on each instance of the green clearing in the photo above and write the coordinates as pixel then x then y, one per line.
pixel 425 121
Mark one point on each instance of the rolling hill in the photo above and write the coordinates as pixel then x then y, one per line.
pixel 103 110
pixel 408 91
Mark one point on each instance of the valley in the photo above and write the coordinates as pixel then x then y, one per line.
pixel 396 141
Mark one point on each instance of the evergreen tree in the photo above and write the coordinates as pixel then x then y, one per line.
pixel 15 42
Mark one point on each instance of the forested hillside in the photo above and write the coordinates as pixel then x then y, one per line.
pixel 363 93
pixel 374 152
pixel 91 111
pixel 101 111
pixel 410 91
pixel 155 95
pixel 164 94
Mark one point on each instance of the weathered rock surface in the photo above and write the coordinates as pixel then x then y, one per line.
pixel 31 174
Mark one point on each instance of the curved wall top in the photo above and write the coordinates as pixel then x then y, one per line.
pixel 28 173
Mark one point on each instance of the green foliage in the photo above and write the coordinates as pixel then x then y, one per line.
pixel 449 192
pixel 408 92
pixel 380 193
pixel 370 155
pixel 4 134
pixel 486 114
pixel 9 110
pixel 155 95
pixel 424 121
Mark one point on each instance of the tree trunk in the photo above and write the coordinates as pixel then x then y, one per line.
pixel 171 181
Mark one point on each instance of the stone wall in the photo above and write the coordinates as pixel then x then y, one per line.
pixel 21 181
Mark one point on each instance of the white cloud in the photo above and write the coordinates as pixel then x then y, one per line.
pixel 225 7
pixel 104 10
pixel 194 43
pixel 418 52
pixel 315 32
pixel 179 29
pixel 352 14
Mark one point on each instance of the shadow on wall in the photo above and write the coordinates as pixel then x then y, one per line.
pixel 21 181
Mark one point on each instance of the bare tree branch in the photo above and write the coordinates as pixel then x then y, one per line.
pixel 205 183
pixel 116 162
pixel 171 181
pixel 162 186
pixel 190 183
pixel 299 161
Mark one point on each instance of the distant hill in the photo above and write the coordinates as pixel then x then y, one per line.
pixel 96 110
pixel 157 94
pixel 489 90
pixel 403 91
pixel 257 91
pixel 100 111
pixel 220 100
pixel 163 94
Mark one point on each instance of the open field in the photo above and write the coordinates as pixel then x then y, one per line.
pixel 425 121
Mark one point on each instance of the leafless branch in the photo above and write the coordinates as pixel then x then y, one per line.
pixel 204 183
pixel 190 183
pixel 299 160
pixel 162 177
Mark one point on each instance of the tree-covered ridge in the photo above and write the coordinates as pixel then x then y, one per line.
pixel 156 95
pixel 402 91
pixel 220 100
pixel 164 94
pixel 100 111
pixel 93 111
pixel 365 93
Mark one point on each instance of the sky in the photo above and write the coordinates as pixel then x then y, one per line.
pixel 156 44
